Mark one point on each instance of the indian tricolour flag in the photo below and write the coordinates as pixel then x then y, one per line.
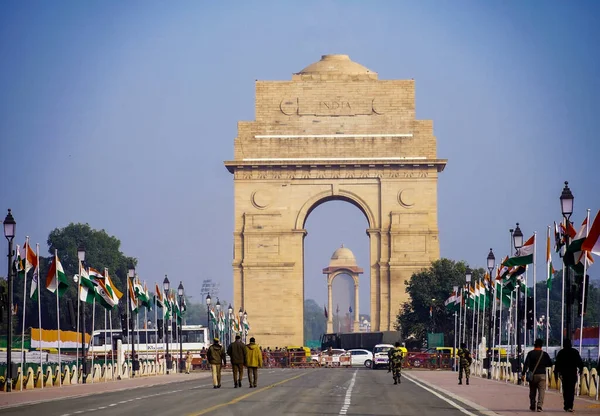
pixel 524 254
pixel 133 306
pixel 104 296
pixel 592 242
pixel 56 277
pixel 111 288
pixel 87 291
pixel 551 270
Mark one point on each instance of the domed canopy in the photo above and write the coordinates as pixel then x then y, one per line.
pixel 342 257
pixel 336 64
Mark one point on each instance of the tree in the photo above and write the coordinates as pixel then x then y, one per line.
pixel 314 321
pixel 428 290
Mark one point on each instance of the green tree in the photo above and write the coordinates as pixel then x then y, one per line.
pixel 314 321
pixel 428 290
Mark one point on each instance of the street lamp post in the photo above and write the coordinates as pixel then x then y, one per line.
pixel 468 276
pixel 491 263
pixel 9 232
pixel 208 301
pixel 518 243
pixel 241 316
pixel 81 257
pixel 131 275
pixel 167 287
pixel 180 292
pixel 218 308
pixel 229 315
pixel 566 206
pixel 245 320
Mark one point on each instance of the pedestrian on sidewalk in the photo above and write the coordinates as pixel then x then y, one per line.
pixel 568 362
pixel 237 356
pixel 188 362
pixel 536 363
pixel 253 361
pixel 465 360
pixel 216 355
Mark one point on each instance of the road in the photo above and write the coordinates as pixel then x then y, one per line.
pixel 319 391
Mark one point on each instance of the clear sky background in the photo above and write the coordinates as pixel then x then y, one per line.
pixel 120 114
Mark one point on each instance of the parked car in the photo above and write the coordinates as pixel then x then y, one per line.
pixel 360 357
pixel 380 355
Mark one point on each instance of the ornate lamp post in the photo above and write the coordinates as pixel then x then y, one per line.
pixel 218 308
pixel 208 301
pixel 167 288
pixel 468 276
pixel 131 275
pixel 180 292
pixel 491 263
pixel 229 315
pixel 566 206
pixel 81 257
pixel 518 243
pixel 10 227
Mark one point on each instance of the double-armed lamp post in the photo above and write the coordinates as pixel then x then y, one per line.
pixel 208 302
pixel 491 263
pixel 10 227
pixel 468 276
pixel 518 243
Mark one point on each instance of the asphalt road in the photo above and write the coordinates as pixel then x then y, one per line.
pixel 319 391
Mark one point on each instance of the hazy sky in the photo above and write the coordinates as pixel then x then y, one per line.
pixel 120 114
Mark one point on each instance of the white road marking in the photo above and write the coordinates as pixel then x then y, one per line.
pixel 348 398
pixel 452 403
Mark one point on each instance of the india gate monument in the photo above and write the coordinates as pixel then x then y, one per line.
pixel 334 132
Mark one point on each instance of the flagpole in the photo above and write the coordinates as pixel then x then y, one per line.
pixel 129 334
pixel 460 291
pixel 464 337
pixel 534 284
pixel 584 254
pixel 473 321
pixel 562 300
pixel 155 325
pixel 477 306
pixel 37 252
pixel 105 329
pixel 112 355
pixel 548 282
pixel 78 315
pixel 23 354
pixel 92 331
pixel 454 349
pixel 501 310
pixel 57 314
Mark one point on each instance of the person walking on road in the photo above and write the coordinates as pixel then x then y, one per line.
pixel 237 356
pixel 188 362
pixel 396 357
pixel 568 362
pixel 216 355
pixel 464 361
pixel 253 361
pixel 536 362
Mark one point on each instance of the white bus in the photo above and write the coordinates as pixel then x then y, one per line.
pixel 194 338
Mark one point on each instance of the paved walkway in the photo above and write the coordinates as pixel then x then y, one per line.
pixel 77 390
pixel 496 396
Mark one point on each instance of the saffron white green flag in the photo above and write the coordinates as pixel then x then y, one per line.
pixel 56 277
pixel 86 287
pixel 104 296
pixel 524 254
pixel 592 242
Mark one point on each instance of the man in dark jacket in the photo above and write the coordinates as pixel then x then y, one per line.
pixel 537 361
pixel 237 356
pixel 216 355
pixel 568 362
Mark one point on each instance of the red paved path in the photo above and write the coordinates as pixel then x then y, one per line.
pixel 499 397
pixel 56 393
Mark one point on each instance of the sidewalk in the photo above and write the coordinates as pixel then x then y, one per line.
pixel 497 396
pixel 16 398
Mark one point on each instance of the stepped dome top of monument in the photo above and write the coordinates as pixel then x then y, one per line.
pixel 336 64
pixel 343 256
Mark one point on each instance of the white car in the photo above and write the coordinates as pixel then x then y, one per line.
pixel 380 355
pixel 361 357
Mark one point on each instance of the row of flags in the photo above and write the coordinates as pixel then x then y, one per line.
pixel 222 322
pixel 577 255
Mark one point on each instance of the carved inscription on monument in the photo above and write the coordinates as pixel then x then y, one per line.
pixel 329 107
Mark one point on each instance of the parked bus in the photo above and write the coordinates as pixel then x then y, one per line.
pixel 359 340
pixel 194 338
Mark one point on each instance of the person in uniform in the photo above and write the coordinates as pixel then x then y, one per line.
pixel 188 362
pixel 568 363
pixel 253 361
pixel 396 357
pixel 465 360
pixel 216 355
pixel 237 357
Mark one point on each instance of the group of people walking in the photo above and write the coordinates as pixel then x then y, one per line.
pixel 567 366
pixel 240 355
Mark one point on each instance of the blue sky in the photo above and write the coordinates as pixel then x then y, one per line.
pixel 120 114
